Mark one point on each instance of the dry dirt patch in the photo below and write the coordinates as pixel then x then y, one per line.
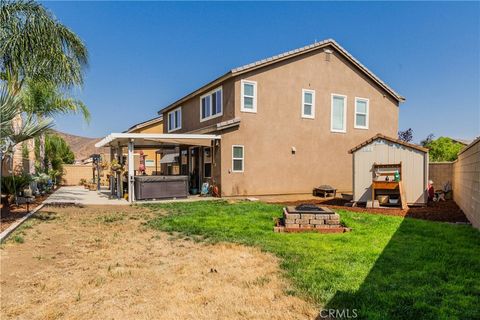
pixel 102 263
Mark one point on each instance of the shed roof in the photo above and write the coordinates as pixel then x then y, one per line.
pixel 284 56
pixel 393 140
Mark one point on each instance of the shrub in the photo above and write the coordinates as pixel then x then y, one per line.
pixel 11 185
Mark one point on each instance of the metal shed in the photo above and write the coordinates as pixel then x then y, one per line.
pixel 384 151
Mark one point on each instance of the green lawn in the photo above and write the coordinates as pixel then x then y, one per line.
pixel 386 268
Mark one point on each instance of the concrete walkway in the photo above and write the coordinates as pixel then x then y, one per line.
pixel 80 196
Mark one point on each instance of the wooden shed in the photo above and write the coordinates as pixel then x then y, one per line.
pixel 375 163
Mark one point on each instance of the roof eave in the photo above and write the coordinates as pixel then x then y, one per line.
pixel 196 92
pixel 284 56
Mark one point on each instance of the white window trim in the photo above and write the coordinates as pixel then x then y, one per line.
pixel 344 113
pixel 308 116
pixel 168 120
pixel 243 158
pixel 211 106
pixel 242 106
pixel 367 114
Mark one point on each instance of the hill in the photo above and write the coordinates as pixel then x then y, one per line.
pixel 82 147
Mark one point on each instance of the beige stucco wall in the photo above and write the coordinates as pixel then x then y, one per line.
pixel 440 173
pixel 414 169
pixel 268 136
pixel 72 174
pixel 150 154
pixel 466 182
pixel 191 110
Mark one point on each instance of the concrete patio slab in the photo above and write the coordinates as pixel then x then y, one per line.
pixel 78 195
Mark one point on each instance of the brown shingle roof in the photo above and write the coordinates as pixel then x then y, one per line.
pixel 381 136
pixel 288 55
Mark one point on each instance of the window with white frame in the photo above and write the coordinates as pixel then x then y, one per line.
pixel 339 113
pixel 175 119
pixel 361 113
pixel 238 158
pixel 211 104
pixel 249 96
pixel 207 162
pixel 308 104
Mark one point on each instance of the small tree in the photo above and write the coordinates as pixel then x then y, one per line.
pixel 427 140
pixel 443 149
pixel 406 135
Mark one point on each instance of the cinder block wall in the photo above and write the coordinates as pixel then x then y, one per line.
pixel 466 182
pixel 72 174
pixel 440 173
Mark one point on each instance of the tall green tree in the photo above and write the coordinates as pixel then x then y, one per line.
pixel 10 134
pixel 442 149
pixel 45 99
pixel 38 52
pixel 34 45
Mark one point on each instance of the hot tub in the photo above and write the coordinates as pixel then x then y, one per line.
pixel 160 187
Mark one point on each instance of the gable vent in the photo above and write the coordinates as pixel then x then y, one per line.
pixel 328 53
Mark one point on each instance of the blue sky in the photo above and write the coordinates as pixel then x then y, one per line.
pixel 145 55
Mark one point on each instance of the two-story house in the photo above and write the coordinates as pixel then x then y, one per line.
pixel 286 122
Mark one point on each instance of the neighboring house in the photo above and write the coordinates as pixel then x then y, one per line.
pixel 154 125
pixel 286 122
pixel 155 162
pixel 465 142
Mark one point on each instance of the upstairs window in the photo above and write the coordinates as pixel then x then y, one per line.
pixel 237 158
pixel 249 96
pixel 339 113
pixel 361 113
pixel 211 105
pixel 175 119
pixel 308 104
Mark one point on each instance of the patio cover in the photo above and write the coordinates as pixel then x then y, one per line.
pixel 156 139
pixel 132 140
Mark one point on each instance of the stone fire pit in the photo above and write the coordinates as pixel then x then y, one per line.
pixel 307 217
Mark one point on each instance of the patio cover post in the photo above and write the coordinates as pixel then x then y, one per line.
pixel 119 173
pixel 112 179
pixel 131 178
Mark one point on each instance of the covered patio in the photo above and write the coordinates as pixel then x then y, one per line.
pixel 186 150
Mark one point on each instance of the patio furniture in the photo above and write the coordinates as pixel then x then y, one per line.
pixel 325 190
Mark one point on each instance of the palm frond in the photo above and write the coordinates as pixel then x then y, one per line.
pixel 33 44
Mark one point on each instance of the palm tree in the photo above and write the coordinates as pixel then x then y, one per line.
pixel 34 45
pixel 11 134
pixel 44 99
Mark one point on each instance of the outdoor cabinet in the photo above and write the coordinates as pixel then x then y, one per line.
pixel 161 187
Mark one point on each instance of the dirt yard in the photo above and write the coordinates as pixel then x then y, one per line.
pixel 104 263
